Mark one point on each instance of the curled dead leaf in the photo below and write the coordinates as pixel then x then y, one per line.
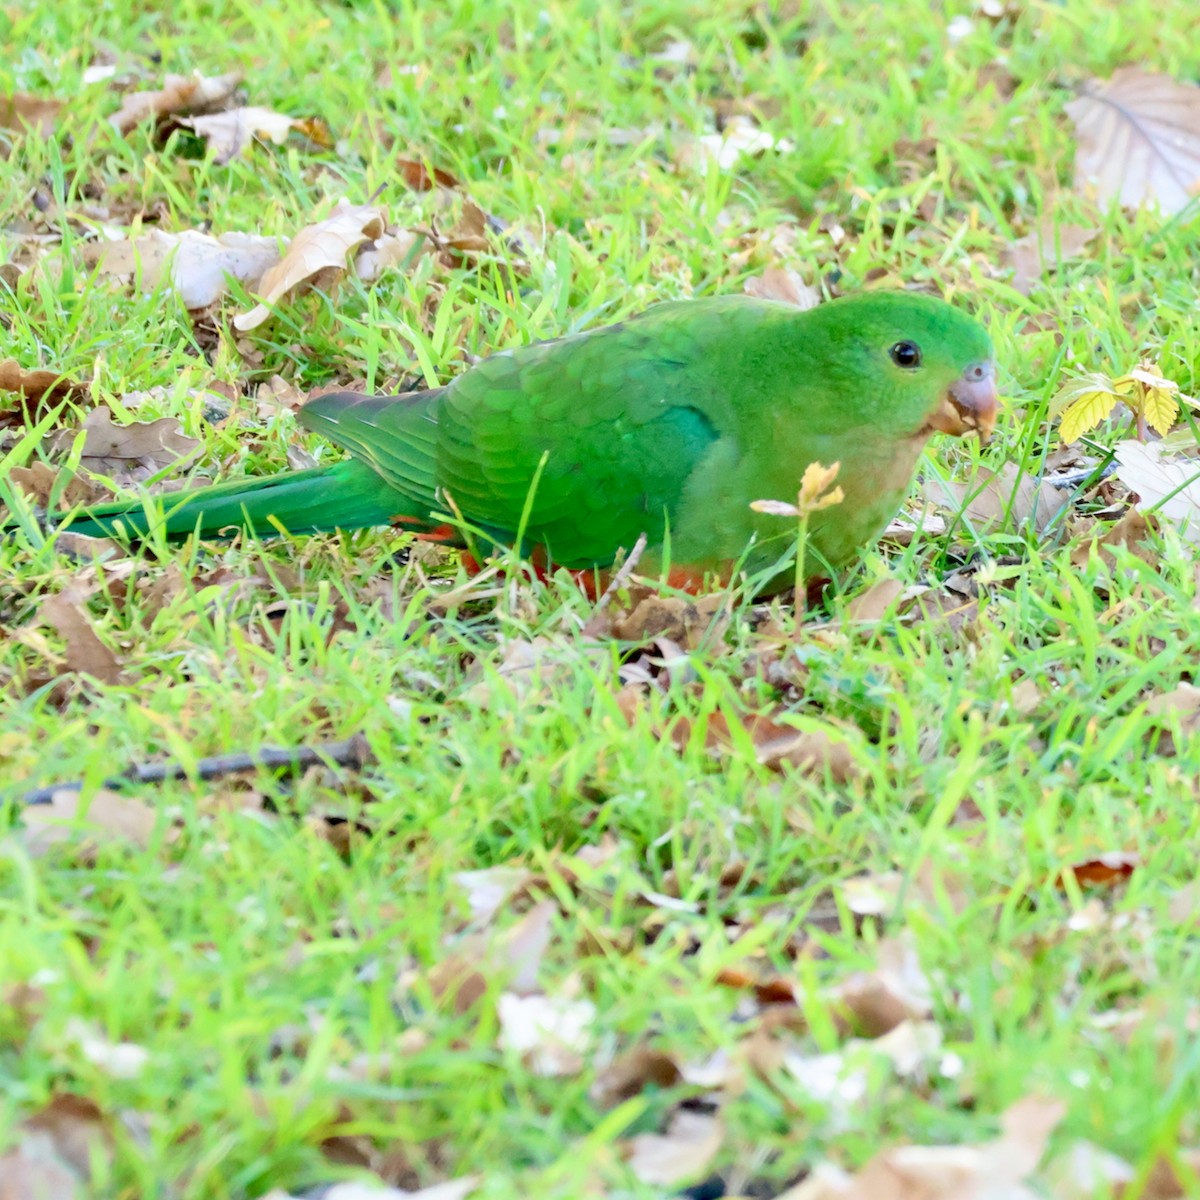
pixel 230 133
pixel 325 245
pixel 36 391
pixel 896 990
pixel 86 653
pixel 178 94
pixel 199 263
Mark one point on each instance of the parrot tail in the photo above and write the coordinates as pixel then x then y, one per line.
pixel 347 495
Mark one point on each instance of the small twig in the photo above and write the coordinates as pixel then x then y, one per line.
pixel 353 752
pixel 621 578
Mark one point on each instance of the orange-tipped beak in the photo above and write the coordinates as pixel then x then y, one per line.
pixel 970 403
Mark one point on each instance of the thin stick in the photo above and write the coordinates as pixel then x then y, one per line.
pixel 353 752
pixel 621 578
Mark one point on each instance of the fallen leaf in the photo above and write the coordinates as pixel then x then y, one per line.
pixel 230 132
pixel 325 245
pixel 1115 866
pixel 421 178
pixel 1170 486
pixel 785 285
pixel 37 390
pixel 32 114
pixel 682 1153
pixel 76 1129
pixel 86 653
pixel 740 138
pixel 550 1033
pixel 119 1060
pixel 1085 1171
pixel 463 977
pixel 489 889
pixel 631 1073
pixel 876 602
pixel 1138 139
pixel 178 94
pixel 199 263
pixel 392 251
pixel 1183 703
pixel 130 453
pixel 897 990
pixel 685 622
pixel 1133 532
pixel 452 1189
pixel 107 819
pixel 989 499
pixel 33 1172
pixel 989 1171
pixel 1044 250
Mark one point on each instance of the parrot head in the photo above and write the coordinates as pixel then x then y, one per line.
pixel 931 365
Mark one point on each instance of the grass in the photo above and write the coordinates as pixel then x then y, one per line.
pixel 284 985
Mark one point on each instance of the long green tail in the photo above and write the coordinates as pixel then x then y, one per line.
pixel 348 495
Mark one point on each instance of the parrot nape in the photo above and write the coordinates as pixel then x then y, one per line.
pixel 670 425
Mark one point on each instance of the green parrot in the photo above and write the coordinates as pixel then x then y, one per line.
pixel 669 425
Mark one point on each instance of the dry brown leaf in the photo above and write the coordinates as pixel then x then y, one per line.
pixel 231 132
pixel 178 94
pixel 634 1071
pixel 1104 870
pixel 1134 532
pixel 389 252
pixel 785 285
pixel 1044 250
pixel 1169 484
pixel 1174 1179
pixel 685 622
pixel 129 453
pixel 421 178
pixel 76 1129
pixel 896 990
pixel 875 603
pixel 199 263
pixel 1138 139
pixel 324 246
pixel 37 390
pixel 818 748
pixel 990 1171
pixel 990 497
pixel 462 978
pixel 86 653
pixel 682 1153
pixel 107 819
pixel 34 114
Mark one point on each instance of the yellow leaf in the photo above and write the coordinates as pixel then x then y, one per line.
pixel 1085 412
pixel 1160 408
pixel 1070 391
pixel 816 479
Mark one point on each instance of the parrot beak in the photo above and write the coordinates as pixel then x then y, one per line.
pixel 970 403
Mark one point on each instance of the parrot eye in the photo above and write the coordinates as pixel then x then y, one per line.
pixel 906 354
